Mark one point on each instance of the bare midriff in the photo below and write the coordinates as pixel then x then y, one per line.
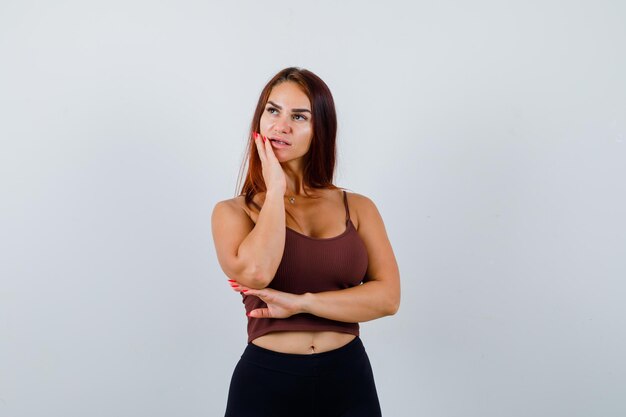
pixel 303 342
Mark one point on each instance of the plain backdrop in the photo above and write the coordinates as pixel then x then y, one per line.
pixel 490 134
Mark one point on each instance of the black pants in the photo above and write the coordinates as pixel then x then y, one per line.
pixel 337 383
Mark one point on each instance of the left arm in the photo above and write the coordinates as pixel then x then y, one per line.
pixel 378 297
pixel 365 302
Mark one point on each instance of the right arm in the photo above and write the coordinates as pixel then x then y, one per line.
pixel 249 253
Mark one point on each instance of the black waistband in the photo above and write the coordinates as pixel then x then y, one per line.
pixel 304 364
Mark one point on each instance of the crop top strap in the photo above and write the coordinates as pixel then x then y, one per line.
pixel 345 202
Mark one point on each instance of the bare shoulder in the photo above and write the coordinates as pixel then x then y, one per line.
pixel 232 202
pixel 240 201
pixel 228 205
pixel 363 207
pixel 232 209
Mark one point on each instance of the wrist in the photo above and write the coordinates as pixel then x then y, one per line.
pixel 306 300
pixel 274 194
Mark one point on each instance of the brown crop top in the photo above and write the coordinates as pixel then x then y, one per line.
pixel 313 265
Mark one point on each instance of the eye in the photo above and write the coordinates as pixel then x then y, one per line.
pixel 299 115
pixel 271 109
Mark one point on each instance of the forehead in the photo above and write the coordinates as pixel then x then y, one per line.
pixel 289 94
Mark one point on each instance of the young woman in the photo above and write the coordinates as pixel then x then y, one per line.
pixel 310 260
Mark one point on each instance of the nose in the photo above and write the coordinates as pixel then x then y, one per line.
pixel 281 125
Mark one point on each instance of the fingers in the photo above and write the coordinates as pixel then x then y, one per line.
pixel 264 147
pixel 236 286
pixel 260 313
pixel 258 141
pixel 269 153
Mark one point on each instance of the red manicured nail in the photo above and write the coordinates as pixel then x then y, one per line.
pixel 244 290
pixel 231 280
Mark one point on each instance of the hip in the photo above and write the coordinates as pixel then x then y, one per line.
pixel 336 383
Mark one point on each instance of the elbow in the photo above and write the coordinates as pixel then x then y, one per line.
pixel 256 279
pixel 393 307
pixel 393 304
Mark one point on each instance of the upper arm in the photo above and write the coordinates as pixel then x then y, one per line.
pixel 382 261
pixel 230 225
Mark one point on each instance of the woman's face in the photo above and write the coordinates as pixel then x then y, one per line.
pixel 287 117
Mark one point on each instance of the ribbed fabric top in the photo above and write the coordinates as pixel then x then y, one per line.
pixel 313 265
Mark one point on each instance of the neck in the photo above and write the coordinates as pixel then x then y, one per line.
pixel 295 184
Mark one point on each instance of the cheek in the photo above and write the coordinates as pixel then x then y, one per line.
pixel 265 119
pixel 307 134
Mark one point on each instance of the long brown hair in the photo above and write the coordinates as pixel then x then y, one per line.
pixel 319 161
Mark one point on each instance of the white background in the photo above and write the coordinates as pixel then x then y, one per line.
pixel 490 134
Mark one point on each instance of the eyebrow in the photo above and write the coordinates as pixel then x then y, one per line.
pixel 293 110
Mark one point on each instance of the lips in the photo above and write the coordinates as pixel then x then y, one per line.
pixel 279 140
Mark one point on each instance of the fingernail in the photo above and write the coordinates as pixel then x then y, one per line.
pixel 264 139
pixel 244 290
pixel 255 135
pixel 231 280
